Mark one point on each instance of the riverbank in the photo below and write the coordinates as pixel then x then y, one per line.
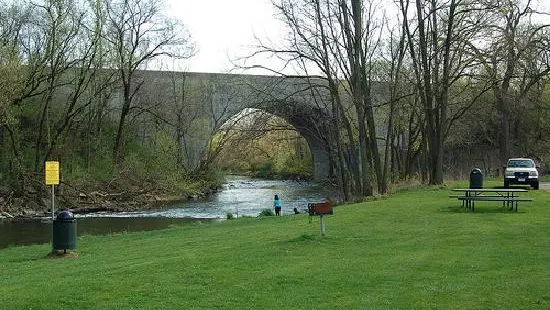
pixel 240 197
pixel 33 206
pixel 405 251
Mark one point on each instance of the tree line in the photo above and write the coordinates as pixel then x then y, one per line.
pixel 72 88
pixel 86 83
pixel 458 74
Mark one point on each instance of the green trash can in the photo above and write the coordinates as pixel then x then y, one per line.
pixel 64 231
pixel 476 178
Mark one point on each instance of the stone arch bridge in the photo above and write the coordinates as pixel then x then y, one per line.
pixel 208 100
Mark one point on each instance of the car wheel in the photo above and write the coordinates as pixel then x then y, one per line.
pixel 506 184
pixel 535 185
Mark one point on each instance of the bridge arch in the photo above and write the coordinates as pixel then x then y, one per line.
pixel 310 124
pixel 216 98
pixel 305 125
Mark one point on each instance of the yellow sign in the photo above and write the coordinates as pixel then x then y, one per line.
pixel 52 172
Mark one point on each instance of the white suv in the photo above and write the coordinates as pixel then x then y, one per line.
pixel 521 171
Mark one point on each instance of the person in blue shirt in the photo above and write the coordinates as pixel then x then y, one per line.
pixel 277 205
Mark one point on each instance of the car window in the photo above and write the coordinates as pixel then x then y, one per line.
pixel 520 164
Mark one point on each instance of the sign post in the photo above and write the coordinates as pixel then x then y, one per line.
pixel 52 178
pixel 320 209
pixel 322 225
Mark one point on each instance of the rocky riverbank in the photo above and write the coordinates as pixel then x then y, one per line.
pixel 32 206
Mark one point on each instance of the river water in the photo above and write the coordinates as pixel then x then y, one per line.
pixel 240 196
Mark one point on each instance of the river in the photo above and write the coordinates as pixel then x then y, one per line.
pixel 240 196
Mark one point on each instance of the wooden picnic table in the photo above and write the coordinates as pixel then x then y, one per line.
pixel 508 196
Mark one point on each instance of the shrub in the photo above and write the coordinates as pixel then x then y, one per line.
pixel 229 215
pixel 267 212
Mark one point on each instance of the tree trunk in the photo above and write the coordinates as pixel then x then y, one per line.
pixel 504 137
pixel 377 162
pixel 118 150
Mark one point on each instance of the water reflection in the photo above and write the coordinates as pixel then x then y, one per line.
pixel 27 232
pixel 241 196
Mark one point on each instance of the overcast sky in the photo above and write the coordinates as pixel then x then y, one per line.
pixel 224 29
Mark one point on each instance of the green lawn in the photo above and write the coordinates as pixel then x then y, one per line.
pixel 417 249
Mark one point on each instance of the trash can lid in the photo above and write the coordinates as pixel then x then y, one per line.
pixel 65 215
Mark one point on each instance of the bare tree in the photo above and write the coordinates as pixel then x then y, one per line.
pixel 138 34
pixel 361 37
pixel 513 61
pixel 437 38
pixel 395 77
pixel 85 80
pixel 62 26
pixel 333 37
pixel 51 56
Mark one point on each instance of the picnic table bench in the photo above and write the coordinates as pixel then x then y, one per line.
pixel 508 196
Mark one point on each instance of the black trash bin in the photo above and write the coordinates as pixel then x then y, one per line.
pixel 476 178
pixel 64 231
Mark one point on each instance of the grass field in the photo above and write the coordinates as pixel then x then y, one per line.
pixel 416 249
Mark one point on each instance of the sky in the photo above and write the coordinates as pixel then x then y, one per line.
pixel 224 29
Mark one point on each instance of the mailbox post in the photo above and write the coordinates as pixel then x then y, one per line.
pixel 321 209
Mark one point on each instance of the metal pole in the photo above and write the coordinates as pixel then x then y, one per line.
pixel 322 225
pixel 53 202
